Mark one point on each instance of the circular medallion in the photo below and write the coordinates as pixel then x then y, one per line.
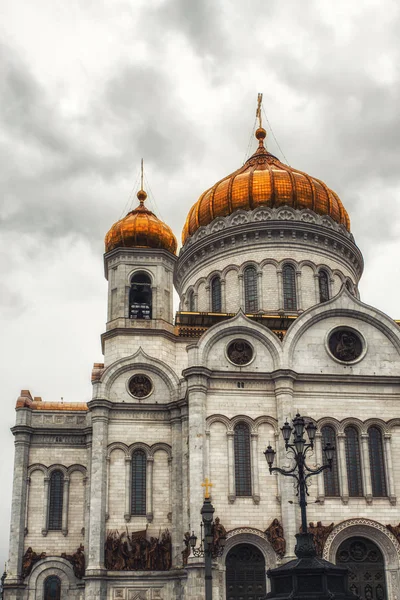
pixel 345 344
pixel 240 352
pixel 140 386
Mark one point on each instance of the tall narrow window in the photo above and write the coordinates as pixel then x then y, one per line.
pixel 331 477
pixel 56 490
pixel 242 460
pixel 378 478
pixel 140 297
pixel 323 281
pixel 138 498
pixel 353 462
pixel 289 288
pixel 191 307
pixel 52 588
pixel 250 290
pixel 216 294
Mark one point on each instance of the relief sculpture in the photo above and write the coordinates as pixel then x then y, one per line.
pixel 276 538
pixel 77 561
pixel 29 559
pixel 134 552
pixel 320 534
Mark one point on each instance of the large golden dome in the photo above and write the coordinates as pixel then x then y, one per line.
pixel 264 181
pixel 140 229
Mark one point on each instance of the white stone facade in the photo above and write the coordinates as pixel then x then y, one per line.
pixel 185 425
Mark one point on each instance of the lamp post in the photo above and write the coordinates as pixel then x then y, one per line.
pixel 308 576
pixel 301 472
pixel 207 549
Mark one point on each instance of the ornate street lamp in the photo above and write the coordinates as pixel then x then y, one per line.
pixel 308 576
pixel 207 549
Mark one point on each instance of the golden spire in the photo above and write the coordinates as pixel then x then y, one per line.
pixel 141 193
pixel 261 134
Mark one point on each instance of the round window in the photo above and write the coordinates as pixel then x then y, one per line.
pixel 345 344
pixel 240 352
pixel 140 386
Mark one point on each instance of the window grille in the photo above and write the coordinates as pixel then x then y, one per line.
pixel 52 588
pixel 353 462
pixel 323 286
pixel 140 297
pixel 242 460
pixel 56 490
pixel 376 459
pixel 216 295
pixel 138 499
pixel 331 477
pixel 250 290
pixel 289 288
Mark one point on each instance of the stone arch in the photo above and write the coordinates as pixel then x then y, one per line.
pixel 230 268
pixel 250 263
pixel 137 270
pixel 117 446
pixel 269 261
pixel 198 283
pixel 352 422
pixel 382 537
pixel 37 467
pixel 242 419
pixel 379 423
pixel 393 423
pixel 309 263
pixel 139 446
pixel 329 422
pixel 218 419
pixel 59 567
pixel 160 446
pixel 76 467
pixel 138 360
pixel 288 261
pixel 266 419
pixel 255 537
pixel 57 467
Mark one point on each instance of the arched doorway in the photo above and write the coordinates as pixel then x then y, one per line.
pixel 366 567
pixel 52 588
pixel 245 573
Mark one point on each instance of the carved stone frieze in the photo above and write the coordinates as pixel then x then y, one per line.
pixel 58 439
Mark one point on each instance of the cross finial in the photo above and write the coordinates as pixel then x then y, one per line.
pixel 258 111
pixel 207 484
pixel 141 174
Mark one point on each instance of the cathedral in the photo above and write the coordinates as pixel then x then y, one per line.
pixel 270 324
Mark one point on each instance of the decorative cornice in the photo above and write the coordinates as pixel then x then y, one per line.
pixel 264 226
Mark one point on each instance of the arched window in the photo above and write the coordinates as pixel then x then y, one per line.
pixel 140 297
pixel 56 490
pixel 289 288
pixel 353 462
pixel 378 478
pixel 242 460
pixel 191 307
pixel 250 290
pixel 216 305
pixel 323 281
pixel 52 588
pixel 138 498
pixel 331 477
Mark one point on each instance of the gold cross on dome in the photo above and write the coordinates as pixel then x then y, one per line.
pixel 207 484
pixel 258 112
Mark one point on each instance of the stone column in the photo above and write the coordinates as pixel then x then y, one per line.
pixel 230 436
pixel 280 291
pixel 290 511
pixel 64 525
pixel 242 299
pixel 366 468
pixel 108 489
pixel 185 468
pixel 299 292
pixel 97 531
pixel 344 485
pixel 260 293
pixel 391 490
pixel 149 489
pixel 22 436
pixel 46 483
pixel 197 397
pixel 128 471
pixel 223 296
pixel 318 458
pixel 28 484
pixel 176 489
pixel 255 458
pixel 316 284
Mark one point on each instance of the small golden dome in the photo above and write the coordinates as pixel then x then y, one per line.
pixel 264 181
pixel 140 229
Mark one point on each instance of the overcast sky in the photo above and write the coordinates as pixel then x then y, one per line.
pixel 89 87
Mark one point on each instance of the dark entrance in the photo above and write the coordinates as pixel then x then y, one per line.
pixel 245 573
pixel 366 568
pixel 52 588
